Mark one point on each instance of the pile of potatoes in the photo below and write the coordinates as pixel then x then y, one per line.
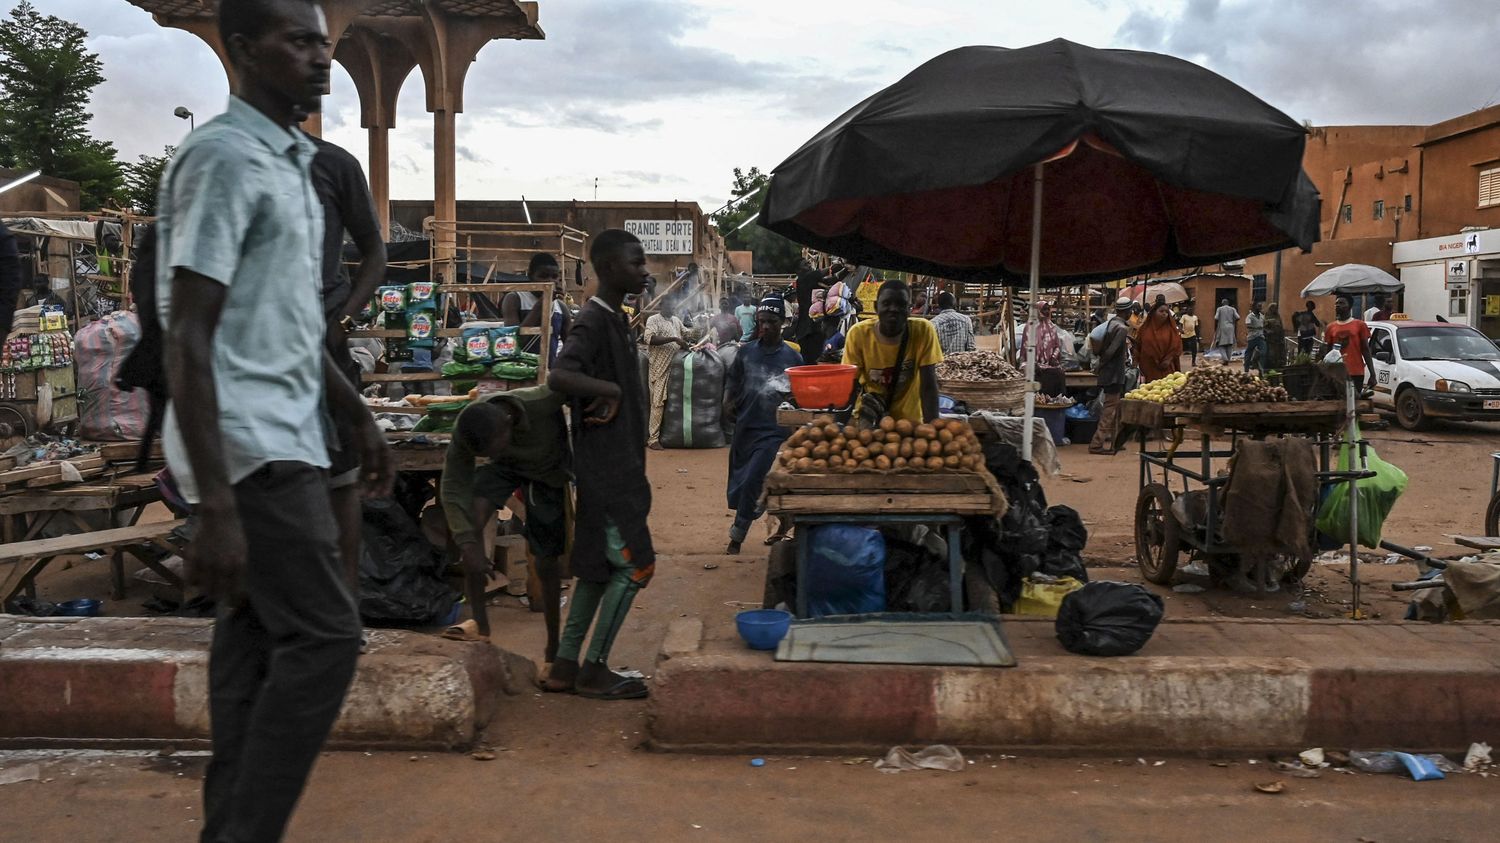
pixel 824 445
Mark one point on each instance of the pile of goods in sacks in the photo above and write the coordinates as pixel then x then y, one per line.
pixel 893 445
pixel 1222 385
pixel 1158 390
pixel 976 366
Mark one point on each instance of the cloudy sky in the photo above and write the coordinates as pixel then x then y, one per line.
pixel 662 99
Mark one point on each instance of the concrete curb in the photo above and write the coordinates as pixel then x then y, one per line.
pixel 720 696
pixel 83 681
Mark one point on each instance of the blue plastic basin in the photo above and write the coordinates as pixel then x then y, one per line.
pixel 84 608
pixel 763 629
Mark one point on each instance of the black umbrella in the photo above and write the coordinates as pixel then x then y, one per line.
pixel 1153 163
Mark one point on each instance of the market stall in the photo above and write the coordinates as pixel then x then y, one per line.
pixel 1248 498
pixel 437 319
pixel 895 474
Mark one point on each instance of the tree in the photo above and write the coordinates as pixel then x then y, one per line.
pixel 143 178
pixel 774 254
pixel 46 77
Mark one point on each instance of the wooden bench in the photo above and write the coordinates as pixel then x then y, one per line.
pixel 146 542
pixel 1476 542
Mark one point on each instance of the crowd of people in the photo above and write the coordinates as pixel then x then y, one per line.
pixel 255 308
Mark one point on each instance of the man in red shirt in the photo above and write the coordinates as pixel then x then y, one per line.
pixel 1352 336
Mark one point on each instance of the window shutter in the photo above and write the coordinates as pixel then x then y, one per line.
pixel 1489 187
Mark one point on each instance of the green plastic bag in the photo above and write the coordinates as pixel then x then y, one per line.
pixel 1377 497
pixel 514 371
pixel 464 370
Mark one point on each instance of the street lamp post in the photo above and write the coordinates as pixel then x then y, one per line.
pixel 183 114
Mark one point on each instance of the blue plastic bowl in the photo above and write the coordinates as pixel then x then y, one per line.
pixel 763 629
pixel 84 608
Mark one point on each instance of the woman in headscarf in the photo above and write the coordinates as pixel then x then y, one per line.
pixel 1049 349
pixel 1275 338
pixel 1159 345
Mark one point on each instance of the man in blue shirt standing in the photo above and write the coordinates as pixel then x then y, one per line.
pixel 238 281
pixel 752 398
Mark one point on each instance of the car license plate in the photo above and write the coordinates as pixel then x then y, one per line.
pixel 1492 405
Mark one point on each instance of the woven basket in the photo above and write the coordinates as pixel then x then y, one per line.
pixel 986 395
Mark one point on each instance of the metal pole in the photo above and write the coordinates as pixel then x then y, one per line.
pixel 1036 275
pixel 1276 281
pixel 1356 458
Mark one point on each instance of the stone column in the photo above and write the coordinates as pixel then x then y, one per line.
pixel 444 176
pixel 380 176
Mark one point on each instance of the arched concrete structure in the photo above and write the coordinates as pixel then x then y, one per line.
pixel 379 42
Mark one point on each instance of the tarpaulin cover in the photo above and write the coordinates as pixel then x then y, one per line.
pixel 845 570
pixel 1164 165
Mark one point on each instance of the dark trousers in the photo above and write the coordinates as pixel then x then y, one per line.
pixel 282 660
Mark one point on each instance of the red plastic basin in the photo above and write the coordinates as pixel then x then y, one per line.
pixel 825 386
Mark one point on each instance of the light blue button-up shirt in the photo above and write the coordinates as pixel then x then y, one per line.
pixel 237 206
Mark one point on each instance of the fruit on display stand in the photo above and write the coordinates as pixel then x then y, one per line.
pixel 892 445
pixel 1223 385
pixel 1159 389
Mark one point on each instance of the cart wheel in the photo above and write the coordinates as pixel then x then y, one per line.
pixel 1156 534
pixel 1492 517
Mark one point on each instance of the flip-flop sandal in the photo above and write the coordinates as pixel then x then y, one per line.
pixel 466 631
pixel 560 685
pixel 625 688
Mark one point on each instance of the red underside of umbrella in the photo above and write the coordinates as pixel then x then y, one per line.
pixel 1101 213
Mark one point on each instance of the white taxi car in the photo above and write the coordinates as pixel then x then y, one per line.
pixel 1426 370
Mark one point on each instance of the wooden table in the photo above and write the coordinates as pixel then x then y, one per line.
pixel 24 514
pixel 1081 380
pixel 940 497
pixel 147 542
pixel 418 451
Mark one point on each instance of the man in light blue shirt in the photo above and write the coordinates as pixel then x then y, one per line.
pixel 239 285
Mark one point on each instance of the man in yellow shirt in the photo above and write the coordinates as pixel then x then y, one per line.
pixel 1187 325
pixel 897 358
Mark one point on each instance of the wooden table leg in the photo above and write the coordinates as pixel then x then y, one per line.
pixel 955 569
pixel 804 538
pixel 117 574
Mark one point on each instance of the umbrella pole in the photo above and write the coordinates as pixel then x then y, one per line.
pixel 1031 306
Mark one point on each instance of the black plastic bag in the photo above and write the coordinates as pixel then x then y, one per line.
pixel 1066 538
pixel 1108 619
pixel 915 579
pixel 400 572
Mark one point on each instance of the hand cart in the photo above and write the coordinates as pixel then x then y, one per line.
pixel 1160 537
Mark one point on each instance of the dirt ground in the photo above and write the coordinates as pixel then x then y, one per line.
pixel 569 769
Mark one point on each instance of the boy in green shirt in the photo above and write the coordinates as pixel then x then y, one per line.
pixel 524 437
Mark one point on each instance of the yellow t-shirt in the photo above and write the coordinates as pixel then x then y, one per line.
pixel 876 359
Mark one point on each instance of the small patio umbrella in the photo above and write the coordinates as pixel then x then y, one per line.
pixel 1353 278
pixel 1156 164
pixel 1147 293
